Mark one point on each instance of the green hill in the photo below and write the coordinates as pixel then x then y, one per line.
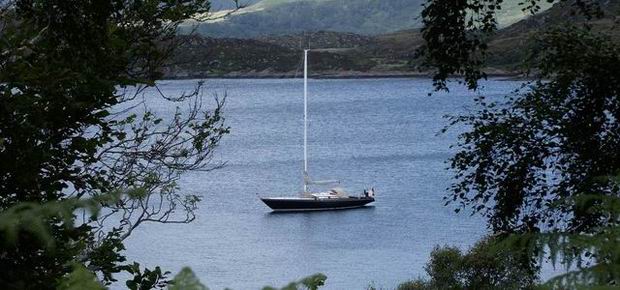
pixel 509 47
pixel 365 17
pixel 279 17
pixel 346 54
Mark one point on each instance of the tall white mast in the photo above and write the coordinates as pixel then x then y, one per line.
pixel 305 120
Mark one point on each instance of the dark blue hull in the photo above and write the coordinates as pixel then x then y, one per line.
pixel 308 204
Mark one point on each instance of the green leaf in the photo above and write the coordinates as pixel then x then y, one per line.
pixel 80 279
pixel 186 280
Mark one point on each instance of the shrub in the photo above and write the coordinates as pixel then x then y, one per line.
pixel 487 265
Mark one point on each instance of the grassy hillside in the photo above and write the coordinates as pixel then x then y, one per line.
pixel 365 17
pixel 349 54
pixel 280 17
pixel 511 45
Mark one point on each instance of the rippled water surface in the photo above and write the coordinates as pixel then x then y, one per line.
pixel 367 132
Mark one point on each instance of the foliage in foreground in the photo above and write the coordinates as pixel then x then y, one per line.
pixel 591 261
pixel 541 164
pixel 74 127
pixel 484 266
pixel 32 218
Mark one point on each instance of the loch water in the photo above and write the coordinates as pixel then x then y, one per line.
pixel 383 133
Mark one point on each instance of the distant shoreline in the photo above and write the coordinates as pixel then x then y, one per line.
pixel 334 75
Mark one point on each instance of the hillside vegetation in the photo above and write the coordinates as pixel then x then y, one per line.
pixel 365 17
pixel 347 54
pixel 279 17
pixel 511 45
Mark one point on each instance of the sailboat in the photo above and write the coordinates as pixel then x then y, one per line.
pixel 333 199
